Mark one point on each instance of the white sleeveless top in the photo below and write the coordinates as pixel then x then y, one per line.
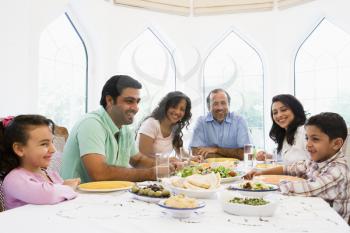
pixel 151 128
pixel 297 151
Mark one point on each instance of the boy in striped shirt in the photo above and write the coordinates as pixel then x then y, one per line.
pixel 326 174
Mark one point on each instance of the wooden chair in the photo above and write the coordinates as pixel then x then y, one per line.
pixel 59 140
pixel 61 131
pixel 346 148
pixel 2 199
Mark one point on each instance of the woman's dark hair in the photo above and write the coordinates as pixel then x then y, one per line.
pixel 277 134
pixel 16 131
pixel 172 99
pixel 115 86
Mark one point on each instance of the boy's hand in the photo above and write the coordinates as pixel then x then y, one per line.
pixel 261 156
pixel 197 158
pixel 251 174
pixel 73 183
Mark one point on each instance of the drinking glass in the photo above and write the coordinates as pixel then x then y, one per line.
pixel 162 165
pixel 248 155
pixel 185 156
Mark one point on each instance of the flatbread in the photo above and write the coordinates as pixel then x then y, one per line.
pixel 178 182
pixel 197 181
pixel 202 181
pixel 214 180
pixel 188 185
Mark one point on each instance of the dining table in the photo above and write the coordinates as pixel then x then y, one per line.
pixel 118 211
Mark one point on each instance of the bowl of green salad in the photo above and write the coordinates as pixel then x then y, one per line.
pixel 236 204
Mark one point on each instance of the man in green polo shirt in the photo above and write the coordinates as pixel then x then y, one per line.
pixel 101 146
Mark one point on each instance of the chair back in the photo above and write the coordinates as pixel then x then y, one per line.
pixel 59 140
pixel 346 148
pixel 2 199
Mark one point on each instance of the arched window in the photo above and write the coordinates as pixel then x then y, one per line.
pixel 62 73
pixel 149 60
pixel 322 70
pixel 236 66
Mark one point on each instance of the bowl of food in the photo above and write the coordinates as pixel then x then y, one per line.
pixel 152 193
pixel 180 206
pixel 253 188
pixel 236 204
pixel 196 186
pixel 227 174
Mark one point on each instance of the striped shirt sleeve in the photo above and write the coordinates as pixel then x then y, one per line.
pixel 323 185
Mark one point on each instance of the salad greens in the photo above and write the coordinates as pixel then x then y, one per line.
pixel 190 170
pixel 249 201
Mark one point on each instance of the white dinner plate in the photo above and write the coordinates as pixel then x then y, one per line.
pixel 253 193
pixel 147 198
pixel 232 179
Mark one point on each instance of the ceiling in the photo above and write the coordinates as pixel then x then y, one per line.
pixel 209 7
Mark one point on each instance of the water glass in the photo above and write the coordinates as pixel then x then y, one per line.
pixel 248 155
pixel 185 156
pixel 162 165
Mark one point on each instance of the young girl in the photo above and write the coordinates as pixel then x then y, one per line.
pixel 161 132
pixel 25 152
pixel 287 130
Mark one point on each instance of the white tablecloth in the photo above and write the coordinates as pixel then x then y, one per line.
pixel 118 212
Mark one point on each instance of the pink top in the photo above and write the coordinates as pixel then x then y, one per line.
pixel 23 187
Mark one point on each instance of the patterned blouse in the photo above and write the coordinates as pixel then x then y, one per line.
pixel 329 180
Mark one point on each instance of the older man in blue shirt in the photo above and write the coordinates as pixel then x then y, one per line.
pixel 220 133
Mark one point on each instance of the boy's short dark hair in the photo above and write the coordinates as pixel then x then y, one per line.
pixel 329 123
pixel 115 86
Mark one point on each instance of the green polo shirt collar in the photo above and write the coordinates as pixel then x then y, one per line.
pixel 108 120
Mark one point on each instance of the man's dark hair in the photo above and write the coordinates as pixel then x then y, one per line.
pixel 329 123
pixel 216 91
pixel 115 86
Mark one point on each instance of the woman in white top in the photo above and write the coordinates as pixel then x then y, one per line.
pixel 287 130
pixel 161 132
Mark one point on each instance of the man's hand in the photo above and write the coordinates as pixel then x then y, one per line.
pixel 73 183
pixel 204 151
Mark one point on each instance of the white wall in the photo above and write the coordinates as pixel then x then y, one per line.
pixel 21 22
pixel 107 28
pixel 277 36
